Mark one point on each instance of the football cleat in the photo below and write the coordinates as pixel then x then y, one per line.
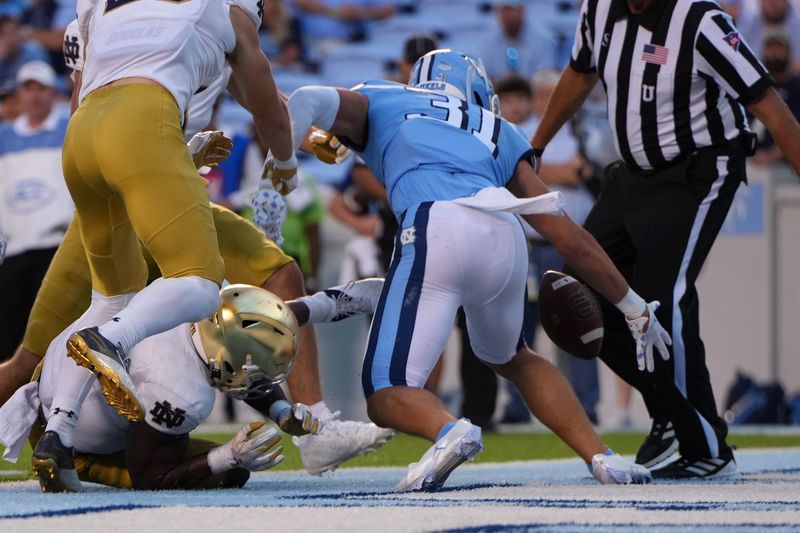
pixel 355 298
pixel 614 470
pixel 683 468
pixel 462 443
pixel 94 352
pixel 53 464
pixel 339 441
pixel 659 445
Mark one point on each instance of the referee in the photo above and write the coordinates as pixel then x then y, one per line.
pixel 678 76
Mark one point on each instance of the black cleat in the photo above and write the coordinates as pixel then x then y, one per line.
pixel 659 445
pixel 684 468
pixel 53 465
pixel 91 350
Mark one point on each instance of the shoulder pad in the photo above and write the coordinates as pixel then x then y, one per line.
pixel 253 8
pixel 73 46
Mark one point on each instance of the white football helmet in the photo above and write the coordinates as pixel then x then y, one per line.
pixel 250 342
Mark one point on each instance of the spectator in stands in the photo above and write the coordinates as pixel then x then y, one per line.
pixel 754 24
pixel 15 51
pixel 280 36
pixel 36 206
pixel 414 47
pixel 516 45
pixel 330 23
pixel 561 170
pixel 44 21
pixel 777 51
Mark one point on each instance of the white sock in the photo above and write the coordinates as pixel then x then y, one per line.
pixel 64 410
pixel 162 305
pixel 321 307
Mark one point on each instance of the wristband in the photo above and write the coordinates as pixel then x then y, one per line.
pixel 220 459
pixel 284 165
pixel 632 305
pixel 277 410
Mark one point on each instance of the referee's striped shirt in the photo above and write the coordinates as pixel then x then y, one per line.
pixel 676 77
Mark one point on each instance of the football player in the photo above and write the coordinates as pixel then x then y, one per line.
pixel 246 349
pixel 249 258
pixel 450 165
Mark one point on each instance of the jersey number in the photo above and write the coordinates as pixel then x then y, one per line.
pixel 457 115
pixel 114 4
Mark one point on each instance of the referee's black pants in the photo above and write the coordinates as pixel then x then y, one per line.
pixel 658 229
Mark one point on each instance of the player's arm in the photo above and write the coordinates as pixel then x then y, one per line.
pixel 776 116
pixel 295 419
pixel 585 255
pixel 572 89
pixel 341 112
pixel 16 372
pixel 256 88
pixel 156 460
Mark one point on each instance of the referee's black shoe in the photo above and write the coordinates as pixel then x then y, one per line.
pixel 685 468
pixel 659 445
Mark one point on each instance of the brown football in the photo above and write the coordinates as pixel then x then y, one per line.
pixel 570 315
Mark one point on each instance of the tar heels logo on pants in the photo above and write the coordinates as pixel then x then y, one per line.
pixel 408 236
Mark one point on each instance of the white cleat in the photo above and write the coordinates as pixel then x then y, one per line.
pixel 462 443
pixel 614 470
pixel 339 441
pixel 355 298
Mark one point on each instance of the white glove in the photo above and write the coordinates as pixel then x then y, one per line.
pixel 327 148
pixel 282 174
pixel 295 419
pixel 647 332
pixel 209 148
pixel 614 470
pixel 250 449
pixel 269 211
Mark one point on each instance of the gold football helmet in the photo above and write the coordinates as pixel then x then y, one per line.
pixel 250 342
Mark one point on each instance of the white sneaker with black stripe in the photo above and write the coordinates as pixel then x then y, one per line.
pixel 709 468
pixel 659 445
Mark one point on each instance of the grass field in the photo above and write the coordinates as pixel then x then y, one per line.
pixel 499 447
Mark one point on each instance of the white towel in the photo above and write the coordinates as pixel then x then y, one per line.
pixel 501 199
pixel 17 416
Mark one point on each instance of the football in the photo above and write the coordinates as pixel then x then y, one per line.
pixel 570 315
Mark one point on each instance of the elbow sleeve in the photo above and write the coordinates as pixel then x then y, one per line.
pixel 313 105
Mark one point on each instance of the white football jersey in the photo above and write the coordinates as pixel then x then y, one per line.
pixel 181 44
pixel 167 370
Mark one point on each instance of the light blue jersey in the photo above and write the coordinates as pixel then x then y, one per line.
pixel 426 146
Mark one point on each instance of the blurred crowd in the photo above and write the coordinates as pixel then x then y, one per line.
pixel 523 44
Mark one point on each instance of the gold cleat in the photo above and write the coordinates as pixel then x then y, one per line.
pixel 53 465
pixel 94 352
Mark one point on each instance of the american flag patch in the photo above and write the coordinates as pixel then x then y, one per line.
pixel 733 40
pixel 656 54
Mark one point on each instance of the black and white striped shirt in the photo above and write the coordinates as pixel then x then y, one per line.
pixel 676 77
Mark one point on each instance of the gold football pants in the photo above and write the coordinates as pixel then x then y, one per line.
pixel 132 179
pixel 250 257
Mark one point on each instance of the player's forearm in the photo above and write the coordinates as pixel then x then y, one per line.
pixel 572 89
pixel 16 372
pixel 780 122
pixel 262 404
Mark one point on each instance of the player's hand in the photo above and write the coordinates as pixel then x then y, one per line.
pixel 282 174
pixel 327 148
pixel 269 211
pixel 298 420
pixel 648 333
pixel 253 448
pixel 209 148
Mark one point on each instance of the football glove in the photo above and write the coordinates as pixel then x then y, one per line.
pixel 282 174
pixel 253 448
pixel 269 211
pixel 328 148
pixel 648 333
pixel 209 148
pixel 298 420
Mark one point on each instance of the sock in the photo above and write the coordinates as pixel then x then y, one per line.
pixel 162 305
pixel 321 411
pixel 445 428
pixel 64 410
pixel 321 307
